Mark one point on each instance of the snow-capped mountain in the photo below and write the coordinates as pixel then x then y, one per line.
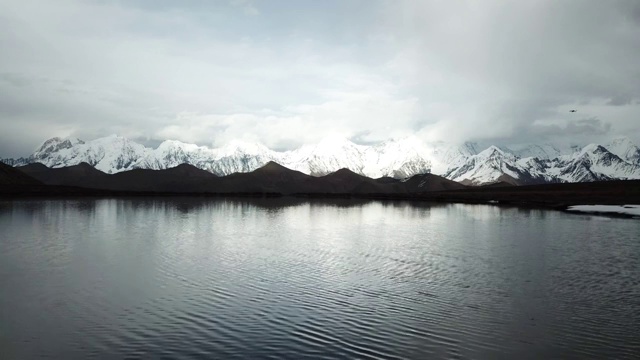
pixel 625 149
pixel 237 156
pixel 543 152
pixel 494 163
pixel 171 153
pixel 398 158
pixel 446 157
pixel 331 154
pixel 55 144
pixel 593 163
pixel 109 154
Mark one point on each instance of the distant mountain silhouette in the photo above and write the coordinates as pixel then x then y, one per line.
pixel 345 181
pixel 274 179
pixel 399 158
pixel 182 178
pixel 504 180
pixel 498 184
pixel 82 175
pixel 430 182
pixel 271 178
pixel 386 180
pixel 12 176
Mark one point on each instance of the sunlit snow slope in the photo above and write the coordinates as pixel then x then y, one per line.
pixel 398 158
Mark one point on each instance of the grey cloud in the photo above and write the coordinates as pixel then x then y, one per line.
pixel 16 80
pixel 620 100
pixel 591 126
pixel 295 71
pixel 522 61
pixel 575 132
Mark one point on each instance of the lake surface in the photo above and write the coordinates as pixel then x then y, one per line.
pixel 190 278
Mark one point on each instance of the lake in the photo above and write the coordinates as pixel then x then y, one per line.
pixel 282 278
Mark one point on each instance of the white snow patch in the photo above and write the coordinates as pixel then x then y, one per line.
pixel 633 210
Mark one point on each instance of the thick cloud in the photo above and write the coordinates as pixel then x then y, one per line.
pixel 291 72
pixel 512 64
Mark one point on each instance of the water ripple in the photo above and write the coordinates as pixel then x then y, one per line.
pixel 204 279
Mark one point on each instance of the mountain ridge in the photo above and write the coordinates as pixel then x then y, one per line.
pixel 396 158
pixel 173 182
pixel 270 178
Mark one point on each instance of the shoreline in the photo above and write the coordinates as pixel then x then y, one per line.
pixel 545 196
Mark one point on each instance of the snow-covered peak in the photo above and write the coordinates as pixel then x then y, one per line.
pixel 174 145
pixel 593 149
pixel 491 150
pixel 404 144
pixel 55 144
pixel 622 141
pixel 589 153
pixel 470 148
pixel 494 152
pixel 586 152
pixel 242 147
pixel 399 157
pixel 112 140
pixel 334 143
pixel 446 156
pixel 488 166
pixel 49 144
pixel 108 154
pixel 74 141
pixel 625 149
pixel 543 151
pixel 330 154
pixel 171 153
pixel 592 163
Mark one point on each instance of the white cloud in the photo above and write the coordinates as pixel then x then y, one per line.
pixel 456 70
pixel 293 126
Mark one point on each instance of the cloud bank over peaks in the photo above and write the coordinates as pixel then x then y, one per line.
pixel 290 73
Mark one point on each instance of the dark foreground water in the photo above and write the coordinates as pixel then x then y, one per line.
pixel 188 278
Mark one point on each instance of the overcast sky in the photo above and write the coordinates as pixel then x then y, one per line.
pixel 287 73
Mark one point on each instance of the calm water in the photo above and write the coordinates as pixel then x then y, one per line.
pixel 188 278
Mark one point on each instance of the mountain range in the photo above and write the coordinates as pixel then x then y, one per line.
pixel 270 178
pixel 11 176
pixel 393 159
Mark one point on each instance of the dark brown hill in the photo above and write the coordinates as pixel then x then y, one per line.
pixel 387 180
pixel 82 175
pixel 275 178
pixel 33 168
pixel 182 178
pixel 345 181
pixel 271 178
pixel 189 171
pixel 498 184
pixel 504 178
pixel 430 182
pixel 12 176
